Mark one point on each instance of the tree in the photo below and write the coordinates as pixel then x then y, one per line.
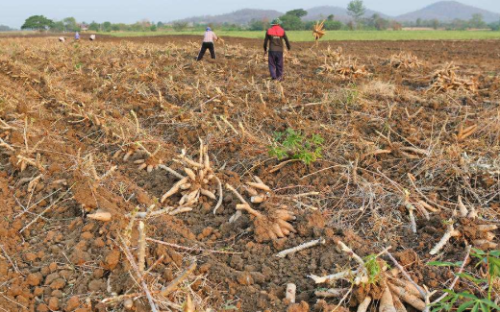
pixel 5 28
pixel 292 22
pixel 118 27
pixel 435 24
pixel 95 26
pixel 153 27
pixel 477 21
pixel 298 12
pixel 37 22
pixel 333 25
pixel 258 25
pixel 106 26
pixel 377 22
pixel 356 9
pixel 70 24
pixel 180 26
pixel 419 22
pixel 458 24
pixel 57 26
pixel 331 17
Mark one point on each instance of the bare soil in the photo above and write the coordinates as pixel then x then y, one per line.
pixel 62 103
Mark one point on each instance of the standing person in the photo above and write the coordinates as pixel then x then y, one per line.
pixel 208 43
pixel 274 38
pixel 77 36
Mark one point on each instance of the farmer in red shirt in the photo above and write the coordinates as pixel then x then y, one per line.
pixel 274 38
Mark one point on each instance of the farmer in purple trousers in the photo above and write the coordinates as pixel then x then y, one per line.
pixel 274 38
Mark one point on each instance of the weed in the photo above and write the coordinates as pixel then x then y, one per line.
pixel 373 268
pixel 466 300
pixel 293 144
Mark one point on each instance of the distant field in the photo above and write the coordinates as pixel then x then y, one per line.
pixel 344 35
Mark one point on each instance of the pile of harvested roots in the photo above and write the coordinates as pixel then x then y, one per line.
pixel 345 70
pixel 446 79
pixel 405 60
pixel 371 281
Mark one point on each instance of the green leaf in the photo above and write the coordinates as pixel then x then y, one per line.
pixel 317 139
pixel 483 307
pixel 495 253
pixel 476 307
pixel 490 304
pixel 478 252
pixel 494 264
pixel 471 278
pixel 467 295
pixel 464 306
pixel 442 264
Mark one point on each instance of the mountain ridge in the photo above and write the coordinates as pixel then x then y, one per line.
pixel 444 11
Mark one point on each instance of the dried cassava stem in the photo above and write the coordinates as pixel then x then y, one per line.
pixel 6 145
pixel 332 277
pixel 415 150
pixel 235 192
pixel 173 285
pixel 168 210
pixel 423 293
pixel 450 232
pixel 192 249
pixel 282 164
pixel 189 305
pixel 331 293
pixel 427 206
pixel 134 266
pixel 171 171
pixel 351 253
pixel 219 202
pixel 141 253
pixel 413 222
pixel 313 243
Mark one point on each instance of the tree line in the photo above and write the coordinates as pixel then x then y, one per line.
pixel 70 24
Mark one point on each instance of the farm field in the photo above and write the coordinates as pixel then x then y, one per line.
pixel 343 35
pixel 136 179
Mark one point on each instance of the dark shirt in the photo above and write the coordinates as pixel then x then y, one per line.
pixel 276 42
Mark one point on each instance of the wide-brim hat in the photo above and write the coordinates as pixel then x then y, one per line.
pixel 276 21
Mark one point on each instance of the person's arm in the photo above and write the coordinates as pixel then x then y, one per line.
pixel 266 41
pixel 215 36
pixel 287 42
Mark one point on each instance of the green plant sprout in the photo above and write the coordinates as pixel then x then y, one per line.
pixel 293 144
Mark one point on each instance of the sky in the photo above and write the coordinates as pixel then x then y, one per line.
pixel 14 12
